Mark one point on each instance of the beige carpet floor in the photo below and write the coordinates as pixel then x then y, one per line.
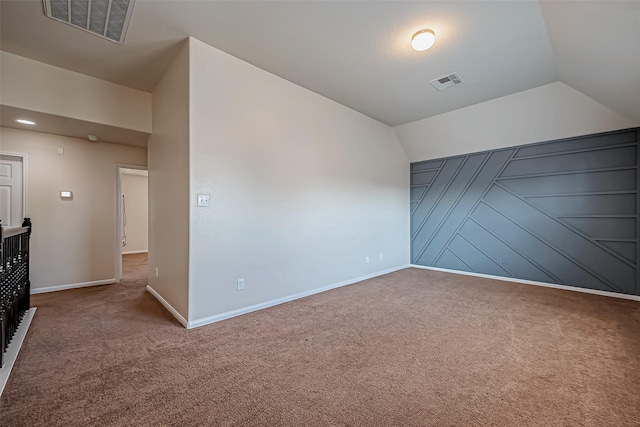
pixel 412 348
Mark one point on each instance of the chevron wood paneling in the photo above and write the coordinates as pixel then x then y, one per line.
pixel 562 212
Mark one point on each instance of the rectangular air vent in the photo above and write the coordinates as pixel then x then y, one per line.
pixel 104 18
pixel 444 82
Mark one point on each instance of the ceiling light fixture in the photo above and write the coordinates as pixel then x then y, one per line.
pixel 423 40
pixel 25 122
pixel 92 138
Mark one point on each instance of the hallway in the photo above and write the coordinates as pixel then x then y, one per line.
pixel 134 269
pixel 80 345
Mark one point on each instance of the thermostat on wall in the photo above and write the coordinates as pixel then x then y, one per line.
pixel 66 195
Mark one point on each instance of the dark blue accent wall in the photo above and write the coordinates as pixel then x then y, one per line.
pixel 562 212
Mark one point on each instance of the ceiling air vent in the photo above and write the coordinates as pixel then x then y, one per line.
pixel 104 18
pixel 446 81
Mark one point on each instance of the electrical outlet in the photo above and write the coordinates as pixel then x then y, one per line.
pixel 156 271
pixel 240 284
pixel 380 255
pixel 203 200
pixel 366 260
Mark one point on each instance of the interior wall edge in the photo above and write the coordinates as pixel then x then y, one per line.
pixel 168 306
pixel 531 282
pixel 47 289
pixel 249 309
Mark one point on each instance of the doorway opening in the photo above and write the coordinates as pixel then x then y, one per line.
pixel 13 189
pixel 132 244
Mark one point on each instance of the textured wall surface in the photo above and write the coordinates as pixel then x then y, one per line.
pixel 303 189
pixel 136 208
pixel 73 240
pixel 560 212
pixel 168 190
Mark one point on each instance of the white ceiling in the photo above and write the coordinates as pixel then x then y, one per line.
pixel 358 53
pixel 596 45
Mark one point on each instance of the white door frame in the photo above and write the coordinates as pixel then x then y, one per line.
pixel 118 255
pixel 25 180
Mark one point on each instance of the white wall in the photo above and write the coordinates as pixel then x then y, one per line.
pixel 545 113
pixel 168 149
pixel 35 86
pixel 73 241
pixel 302 188
pixel 135 190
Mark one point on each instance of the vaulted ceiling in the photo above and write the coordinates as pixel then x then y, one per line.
pixel 358 53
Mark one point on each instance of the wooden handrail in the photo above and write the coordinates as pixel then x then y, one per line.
pixel 9 232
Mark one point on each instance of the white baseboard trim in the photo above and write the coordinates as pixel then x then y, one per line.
pixel 11 355
pixel 533 282
pixel 135 252
pixel 168 306
pixel 233 313
pixel 72 286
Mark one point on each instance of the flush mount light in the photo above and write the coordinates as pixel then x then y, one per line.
pixel 423 40
pixel 25 122
pixel 92 138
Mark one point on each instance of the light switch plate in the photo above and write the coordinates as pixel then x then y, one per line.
pixel 203 200
pixel 67 195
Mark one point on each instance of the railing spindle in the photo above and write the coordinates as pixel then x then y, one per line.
pixel 15 287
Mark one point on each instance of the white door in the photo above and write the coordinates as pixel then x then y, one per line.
pixel 11 190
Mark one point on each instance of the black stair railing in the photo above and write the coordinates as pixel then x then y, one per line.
pixel 15 286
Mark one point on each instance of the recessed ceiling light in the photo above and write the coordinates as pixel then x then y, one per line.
pixel 25 122
pixel 423 40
